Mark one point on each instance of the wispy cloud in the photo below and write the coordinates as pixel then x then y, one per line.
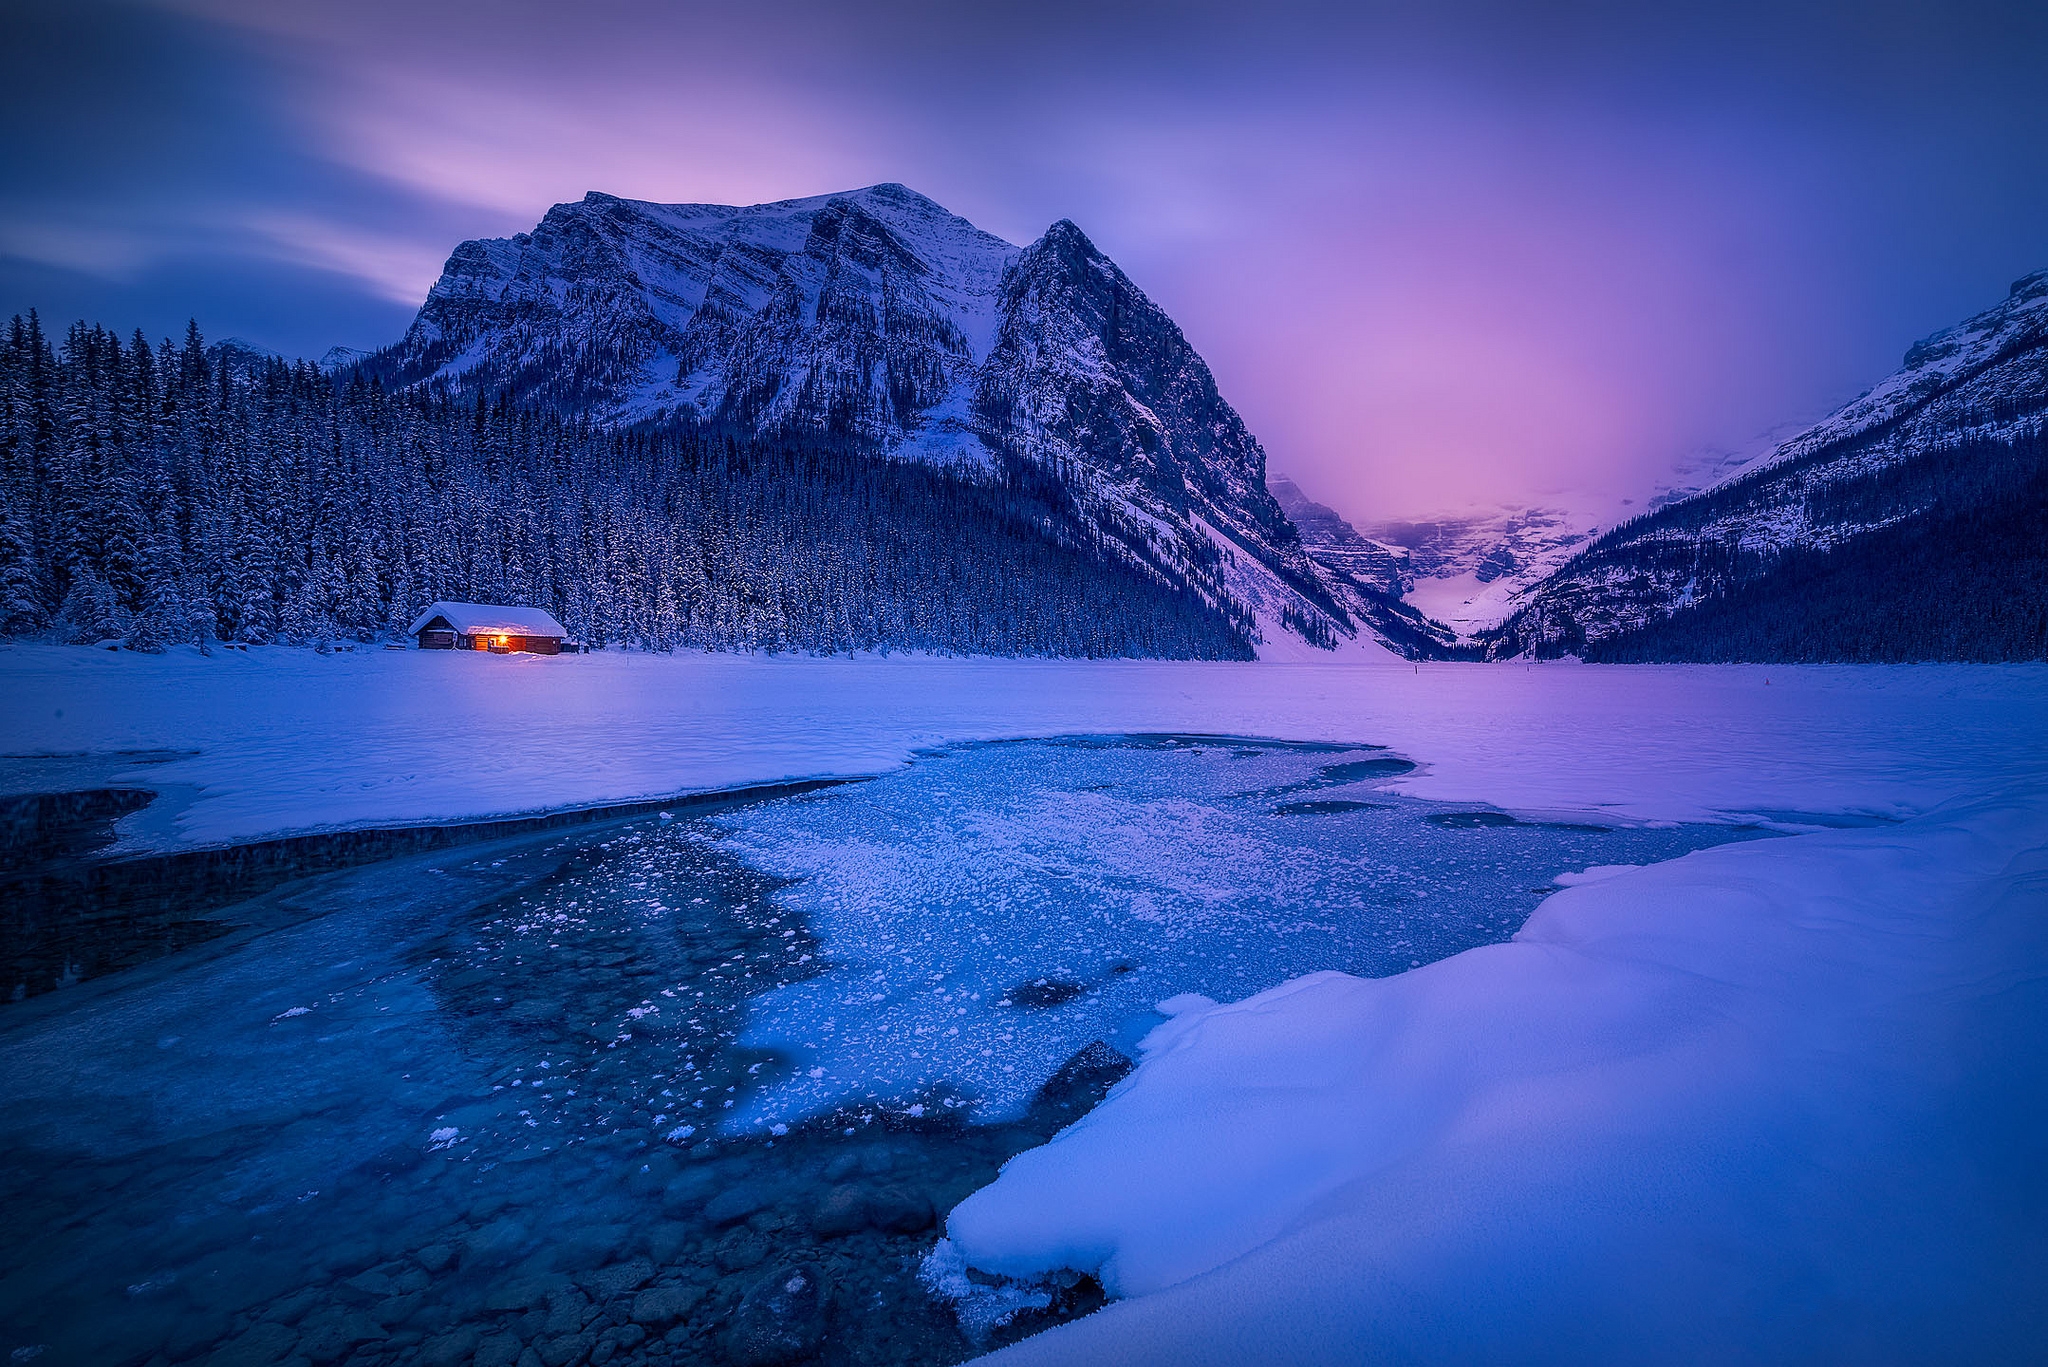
pixel 400 269
pixel 1429 250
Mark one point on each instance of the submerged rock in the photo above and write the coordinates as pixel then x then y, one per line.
pixel 619 1278
pixel 333 1336
pixel 260 1345
pixel 781 1320
pixel 851 1208
pixel 451 1349
pixel 660 1306
pixel 1043 992
pixel 499 1350
pixel 843 1211
pixel 736 1203
pixel 497 1242
pixel 564 1349
pixel 1082 1081
pixel 899 1212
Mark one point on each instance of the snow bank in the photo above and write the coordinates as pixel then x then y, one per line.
pixel 1771 1101
pixel 276 740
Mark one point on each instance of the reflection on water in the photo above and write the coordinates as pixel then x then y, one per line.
pixel 551 1099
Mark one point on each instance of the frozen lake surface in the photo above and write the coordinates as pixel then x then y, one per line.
pixel 996 907
pixel 663 1090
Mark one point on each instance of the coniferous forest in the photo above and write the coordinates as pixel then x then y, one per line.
pixel 1956 568
pixel 179 493
pixel 1971 587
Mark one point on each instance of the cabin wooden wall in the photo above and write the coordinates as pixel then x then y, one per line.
pixel 436 639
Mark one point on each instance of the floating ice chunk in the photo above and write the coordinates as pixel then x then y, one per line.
pixel 983 1305
pixel 1599 873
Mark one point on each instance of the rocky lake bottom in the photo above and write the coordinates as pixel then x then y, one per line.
pixel 684 1086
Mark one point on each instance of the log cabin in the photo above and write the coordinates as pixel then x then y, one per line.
pixel 488 626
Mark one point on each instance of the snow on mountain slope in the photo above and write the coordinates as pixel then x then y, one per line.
pixel 1470 568
pixel 877 319
pixel 1986 372
pixel 1367 577
pixel 1466 568
pixel 847 312
pixel 1953 435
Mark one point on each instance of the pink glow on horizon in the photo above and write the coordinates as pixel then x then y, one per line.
pixel 1437 256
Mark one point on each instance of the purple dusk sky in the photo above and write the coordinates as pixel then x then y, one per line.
pixel 1436 254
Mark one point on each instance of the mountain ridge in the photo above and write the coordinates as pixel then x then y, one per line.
pixel 1954 438
pixel 878 320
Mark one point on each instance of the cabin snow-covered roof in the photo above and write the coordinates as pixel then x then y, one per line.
pixel 490 619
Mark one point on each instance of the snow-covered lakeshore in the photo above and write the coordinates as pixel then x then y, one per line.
pixel 277 740
pixel 1777 1100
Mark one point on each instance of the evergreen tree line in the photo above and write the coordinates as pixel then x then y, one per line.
pixel 1961 430
pixel 167 493
pixel 1963 575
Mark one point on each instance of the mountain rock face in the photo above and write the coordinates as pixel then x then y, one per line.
pixel 1904 526
pixel 1466 570
pixel 1367 577
pixel 1332 541
pixel 877 321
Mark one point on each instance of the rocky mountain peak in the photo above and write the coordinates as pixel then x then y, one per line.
pixel 877 319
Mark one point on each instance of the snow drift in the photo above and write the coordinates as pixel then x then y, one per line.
pixel 1773 1101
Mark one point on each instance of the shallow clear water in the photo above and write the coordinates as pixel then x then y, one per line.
pixel 510 1105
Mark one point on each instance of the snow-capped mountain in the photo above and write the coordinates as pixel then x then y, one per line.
pixel 1465 569
pixel 1470 569
pixel 342 357
pixel 877 320
pixel 1905 525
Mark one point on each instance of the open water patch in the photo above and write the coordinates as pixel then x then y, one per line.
pixel 682 1087
pixel 68 918
pixel 1329 807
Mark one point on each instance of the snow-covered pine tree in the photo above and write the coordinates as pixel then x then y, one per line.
pixel 277 503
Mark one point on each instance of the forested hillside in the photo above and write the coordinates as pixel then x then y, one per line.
pixel 180 493
pixel 1907 526
pixel 877 320
pixel 1966 580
